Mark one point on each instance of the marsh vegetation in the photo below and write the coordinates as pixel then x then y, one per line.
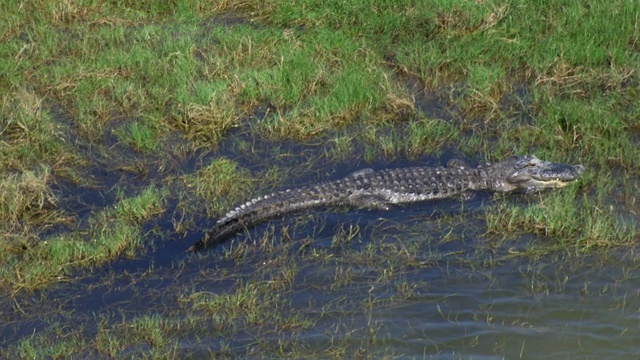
pixel 127 128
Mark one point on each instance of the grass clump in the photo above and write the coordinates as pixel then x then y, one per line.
pixel 421 136
pixel 24 196
pixel 599 127
pixel 139 135
pixel 42 346
pixel 140 208
pixel 428 136
pixel 110 234
pixel 29 135
pixel 27 206
pixel 250 304
pixel 571 222
pixel 204 123
pixel 220 184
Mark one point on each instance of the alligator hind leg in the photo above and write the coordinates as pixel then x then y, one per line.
pixel 360 173
pixel 457 164
pixel 371 202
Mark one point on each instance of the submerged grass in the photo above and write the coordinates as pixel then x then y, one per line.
pixel 252 304
pixel 255 316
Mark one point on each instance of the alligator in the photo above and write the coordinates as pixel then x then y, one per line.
pixel 380 190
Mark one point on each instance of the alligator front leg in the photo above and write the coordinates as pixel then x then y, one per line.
pixel 368 201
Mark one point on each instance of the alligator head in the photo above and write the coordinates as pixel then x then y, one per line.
pixel 528 174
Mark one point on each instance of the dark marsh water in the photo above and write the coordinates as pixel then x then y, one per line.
pixel 457 294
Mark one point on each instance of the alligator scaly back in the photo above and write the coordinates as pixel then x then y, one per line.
pixel 381 189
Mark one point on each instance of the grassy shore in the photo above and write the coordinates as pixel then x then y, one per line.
pixel 180 110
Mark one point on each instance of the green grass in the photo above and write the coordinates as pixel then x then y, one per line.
pixel 41 346
pixel 249 304
pixel 30 136
pixel 109 234
pixel 205 104
pixel 219 185
pixel 139 135
pixel 572 226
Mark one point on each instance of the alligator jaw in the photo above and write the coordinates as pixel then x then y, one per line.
pixel 555 176
pixel 531 174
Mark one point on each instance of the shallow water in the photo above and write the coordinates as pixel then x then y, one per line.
pixel 519 310
pixel 466 299
pixel 420 281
